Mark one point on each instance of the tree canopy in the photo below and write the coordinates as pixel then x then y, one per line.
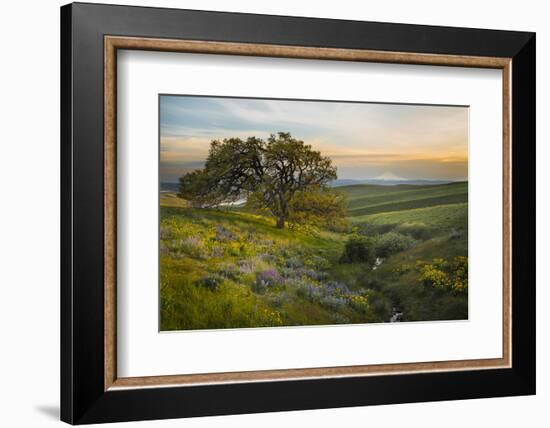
pixel 282 175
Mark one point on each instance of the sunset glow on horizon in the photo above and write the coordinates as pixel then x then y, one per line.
pixel 364 140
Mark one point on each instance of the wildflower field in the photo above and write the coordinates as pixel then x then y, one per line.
pixel 401 256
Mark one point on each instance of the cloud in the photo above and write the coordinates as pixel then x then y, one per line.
pixel 361 138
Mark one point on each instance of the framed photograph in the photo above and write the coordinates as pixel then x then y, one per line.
pixel 266 213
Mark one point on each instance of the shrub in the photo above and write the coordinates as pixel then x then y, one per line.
pixel 316 262
pixel 358 249
pixel 432 276
pixel 391 243
pixel 360 303
pixel 450 275
pixel 460 274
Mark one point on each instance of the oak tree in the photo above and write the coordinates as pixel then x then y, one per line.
pixel 282 175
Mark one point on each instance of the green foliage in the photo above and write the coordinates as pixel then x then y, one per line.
pixel 358 249
pixel 233 169
pixel 231 268
pixel 391 243
pixel 444 274
pixel 320 207
pixel 271 175
pixel 366 249
pixel 198 189
pixel 360 302
pixel 223 269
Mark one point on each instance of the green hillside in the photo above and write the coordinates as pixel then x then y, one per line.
pixel 215 265
pixel 222 268
pixel 370 199
pixel 439 218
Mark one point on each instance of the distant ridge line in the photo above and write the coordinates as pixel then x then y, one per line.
pixel 382 182
pixel 173 186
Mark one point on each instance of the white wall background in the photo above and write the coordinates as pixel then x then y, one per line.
pixel 29 214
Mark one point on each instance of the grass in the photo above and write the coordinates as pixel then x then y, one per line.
pixel 211 267
pixel 443 230
pixel 440 217
pixel 365 199
pixel 233 269
pixel 170 199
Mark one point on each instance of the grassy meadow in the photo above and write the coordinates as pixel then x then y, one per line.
pixel 401 257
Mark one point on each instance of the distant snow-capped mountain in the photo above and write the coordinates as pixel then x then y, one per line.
pixel 389 176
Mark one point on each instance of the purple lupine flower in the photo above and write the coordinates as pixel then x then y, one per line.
pixel 266 279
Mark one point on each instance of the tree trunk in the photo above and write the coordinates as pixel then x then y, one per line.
pixel 280 223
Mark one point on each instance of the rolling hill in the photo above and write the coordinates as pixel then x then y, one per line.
pixel 231 268
pixel 365 199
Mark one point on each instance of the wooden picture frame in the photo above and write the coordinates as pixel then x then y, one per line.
pixel 91 390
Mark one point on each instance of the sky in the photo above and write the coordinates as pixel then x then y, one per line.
pixel 364 140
